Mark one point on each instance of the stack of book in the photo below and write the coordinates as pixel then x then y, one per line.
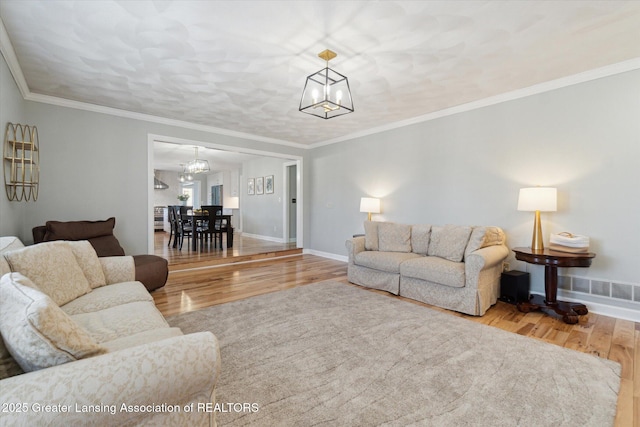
pixel 567 242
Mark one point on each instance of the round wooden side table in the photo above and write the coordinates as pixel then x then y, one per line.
pixel 551 261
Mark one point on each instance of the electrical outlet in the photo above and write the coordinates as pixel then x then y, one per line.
pixel 506 266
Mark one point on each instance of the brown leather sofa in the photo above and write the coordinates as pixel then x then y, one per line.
pixel 151 270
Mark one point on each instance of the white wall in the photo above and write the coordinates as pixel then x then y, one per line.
pixel 262 214
pixel 467 169
pixel 12 110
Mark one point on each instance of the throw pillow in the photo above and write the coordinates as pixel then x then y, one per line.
pixel 89 262
pixel 449 242
pixel 53 267
pixel 8 243
pixel 98 233
pixel 394 237
pixel 420 235
pixel 481 237
pixel 37 333
pixel 371 235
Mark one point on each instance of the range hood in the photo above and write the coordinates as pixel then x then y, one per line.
pixel 159 185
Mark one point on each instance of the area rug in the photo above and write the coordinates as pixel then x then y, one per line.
pixel 337 355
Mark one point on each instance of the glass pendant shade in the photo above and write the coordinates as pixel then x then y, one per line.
pixel 326 93
pixel 184 176
pixel 197 165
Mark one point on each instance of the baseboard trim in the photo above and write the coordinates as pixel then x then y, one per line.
pixel 267 238
pixel 329 255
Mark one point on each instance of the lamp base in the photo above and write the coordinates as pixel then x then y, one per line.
pixel 537 243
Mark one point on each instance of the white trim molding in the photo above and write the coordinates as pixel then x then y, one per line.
pixel 329 255
pixel 267 238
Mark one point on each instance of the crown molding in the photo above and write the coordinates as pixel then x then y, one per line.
pixel 62 102
pixel 606 71
pixel 6 48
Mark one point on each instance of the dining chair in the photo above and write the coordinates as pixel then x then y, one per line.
pixel 215 226
pixel 185 226
pixel 173 223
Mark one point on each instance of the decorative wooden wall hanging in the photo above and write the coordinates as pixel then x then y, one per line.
pixel 21 161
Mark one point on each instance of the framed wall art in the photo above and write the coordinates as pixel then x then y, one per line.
pixel 268 184
pixel 250 187
pixel 260 185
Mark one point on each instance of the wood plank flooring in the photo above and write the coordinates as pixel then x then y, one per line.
pixel 194 288
pixel 244 249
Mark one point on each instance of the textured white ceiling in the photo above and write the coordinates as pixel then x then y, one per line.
pixel 241 65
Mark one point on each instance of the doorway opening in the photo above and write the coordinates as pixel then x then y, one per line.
pixel 290 205
pixel 292 216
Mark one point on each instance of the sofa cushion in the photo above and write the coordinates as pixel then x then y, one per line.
pixel 436 270
pixel 383 261
pixel 482 237
pixel 449 242
pixel 394 237
pixel 107 297
pixel 8 365
pixel 121 320
pixel 420 235
pixel 36 331
pixel 118 269
pixel 53 268
pixel 8 243
pixel 88 261
pixel 371 235
pixel 98 233
pixel 140 338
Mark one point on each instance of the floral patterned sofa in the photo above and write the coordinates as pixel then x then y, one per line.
pixel 83 344
pixel 453 267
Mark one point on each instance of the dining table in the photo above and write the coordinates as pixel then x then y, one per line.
pixel 195 216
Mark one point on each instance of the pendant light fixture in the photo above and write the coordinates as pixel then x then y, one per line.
pixel 197 165
pixel 326 93
pixel 184 176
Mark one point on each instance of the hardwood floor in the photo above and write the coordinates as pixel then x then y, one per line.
pixel 244 249
pixel 194 288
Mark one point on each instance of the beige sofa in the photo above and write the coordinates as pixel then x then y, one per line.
pixel 96 349
pixel 453 267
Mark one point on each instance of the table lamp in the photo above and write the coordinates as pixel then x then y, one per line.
pixel 233 203
pixel 538 199
pixel 369 205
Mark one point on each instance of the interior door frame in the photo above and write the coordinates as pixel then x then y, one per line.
pixel 298 160
pixel 285 204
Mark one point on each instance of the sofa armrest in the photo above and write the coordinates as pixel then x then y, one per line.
pixel 481 260
pixel 118 269
pixel 172 372
pixel 354 247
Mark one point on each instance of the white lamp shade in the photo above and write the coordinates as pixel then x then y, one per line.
pixel 544 199
pixel 369 204
pixel 233 203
